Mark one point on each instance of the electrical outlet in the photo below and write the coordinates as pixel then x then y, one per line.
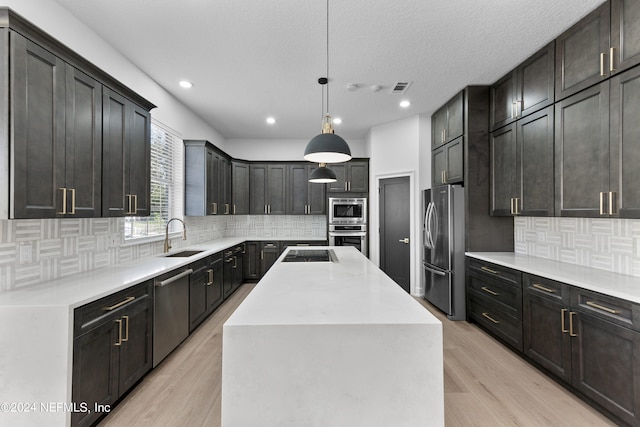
pixel 25 253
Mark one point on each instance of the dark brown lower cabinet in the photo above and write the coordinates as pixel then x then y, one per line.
pixel 205 289
pixel 112 349
pixel 269 253
pixel 587 340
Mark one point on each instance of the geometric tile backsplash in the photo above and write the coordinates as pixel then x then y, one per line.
pixel 62 247
pixel 610 244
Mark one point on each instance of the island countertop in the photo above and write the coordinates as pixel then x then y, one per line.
pixel 352 290
pixel 331 344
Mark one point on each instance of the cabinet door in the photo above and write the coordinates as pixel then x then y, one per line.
pixel 240 188
pixel 317 199
pixel 438 166
pixel 624 144
pixel 227 274
pixel 358 174
pixel 251 261
pixel 535 82
pixel 38 118
pixel 138 169
pixel 545 339
pixel 258 189
pixel 502 97
pixel 455 117
pixel 114 155
pixel 534 135
pixel 340 186
pixel 198 283
pixel 269 253
pixel 582 52
pixel 582 152
pixel 136 356
pixel 276 189
pixel 454 151
pixel 83 144
pixel 625 37
pixel 606 365
pixel 504 176
pixel 298 189
pixel 224 185
pixel 211 182
pixel 95 370
pixel 438 127
pixel 215 294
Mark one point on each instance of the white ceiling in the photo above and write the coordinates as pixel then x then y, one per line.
pixel 250 59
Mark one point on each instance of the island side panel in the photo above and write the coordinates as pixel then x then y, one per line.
pixel 333 375
pixel 35 365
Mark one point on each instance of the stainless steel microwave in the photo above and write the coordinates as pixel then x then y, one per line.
pixel 347 210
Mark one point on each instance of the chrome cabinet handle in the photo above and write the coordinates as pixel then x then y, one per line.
pixel 571 333
pixel 562 325
pixel 612 67
pixel 602 64
pixel 73 201
pixel 64 201
pixel 119 343
pixel 126 329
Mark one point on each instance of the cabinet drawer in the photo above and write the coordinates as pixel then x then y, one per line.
pixel 546 288
pixel 614 310
pixel 504 295
pixel 496 321
pixel 498 272
pixel 91 315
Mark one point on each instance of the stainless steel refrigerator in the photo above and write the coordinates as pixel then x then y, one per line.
pixel 443 249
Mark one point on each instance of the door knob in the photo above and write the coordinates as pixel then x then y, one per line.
pixel 405 240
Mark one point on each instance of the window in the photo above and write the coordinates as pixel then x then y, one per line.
pixel 167 185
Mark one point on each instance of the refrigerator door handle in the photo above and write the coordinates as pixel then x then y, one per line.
pixel 426 227
pixel 432 244
pixel 434 271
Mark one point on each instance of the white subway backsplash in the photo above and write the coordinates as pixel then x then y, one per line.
pixel 62 247
pixel 605 243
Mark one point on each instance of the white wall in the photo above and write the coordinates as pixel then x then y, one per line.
pixel 397 149
pixel 59 23
pixel 282 149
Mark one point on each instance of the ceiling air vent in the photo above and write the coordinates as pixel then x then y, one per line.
pixel 400 87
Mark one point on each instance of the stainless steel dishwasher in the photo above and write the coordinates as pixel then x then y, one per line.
pixel 171 312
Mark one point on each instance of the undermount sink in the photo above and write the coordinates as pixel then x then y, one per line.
pixel 310 255
pixel 183 254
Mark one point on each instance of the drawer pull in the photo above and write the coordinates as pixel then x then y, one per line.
pixel 120 304
pixel 571 333
pixel 563 326
pixel 489 291
pixel 602 307
pixel 119 343
pixel 126 329
pixel 544 288
pixel 490 318
pixel 489 270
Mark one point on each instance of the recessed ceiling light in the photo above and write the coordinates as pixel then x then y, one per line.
pixel 405 104
pixel 271 120
pixel 337 120
pixel 186 84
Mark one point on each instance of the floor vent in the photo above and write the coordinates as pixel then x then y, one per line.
pixel 400 87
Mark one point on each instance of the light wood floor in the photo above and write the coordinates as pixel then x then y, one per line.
pixel 485 384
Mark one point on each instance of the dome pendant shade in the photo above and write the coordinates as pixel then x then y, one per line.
pixel 322 174
pixel 327 148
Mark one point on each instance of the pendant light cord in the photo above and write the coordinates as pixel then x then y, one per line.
pixel 327 57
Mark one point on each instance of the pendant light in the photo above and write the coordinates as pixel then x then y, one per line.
pixel 327 147
pixel 322 175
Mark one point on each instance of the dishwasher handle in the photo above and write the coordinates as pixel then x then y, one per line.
pixel 174 278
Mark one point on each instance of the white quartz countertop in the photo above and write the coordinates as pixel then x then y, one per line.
pixel 79 289
pixel 351 291
pixel 605 282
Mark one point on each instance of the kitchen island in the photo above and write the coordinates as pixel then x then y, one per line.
pixel 331 343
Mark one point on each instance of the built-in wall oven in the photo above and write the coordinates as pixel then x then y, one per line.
pixel 348 222
pixel 349 235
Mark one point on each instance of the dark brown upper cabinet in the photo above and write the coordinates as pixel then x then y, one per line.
pixel 57 147
pixel 525 90
pixel 126 136
pixel 240 187
pixel 581 53
pixel 605 42
pixel 304 197
pixel 448 163
pixel 447 123
pixel 54 107
pixel 522 172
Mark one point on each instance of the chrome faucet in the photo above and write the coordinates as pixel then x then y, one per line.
pixel 167 246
